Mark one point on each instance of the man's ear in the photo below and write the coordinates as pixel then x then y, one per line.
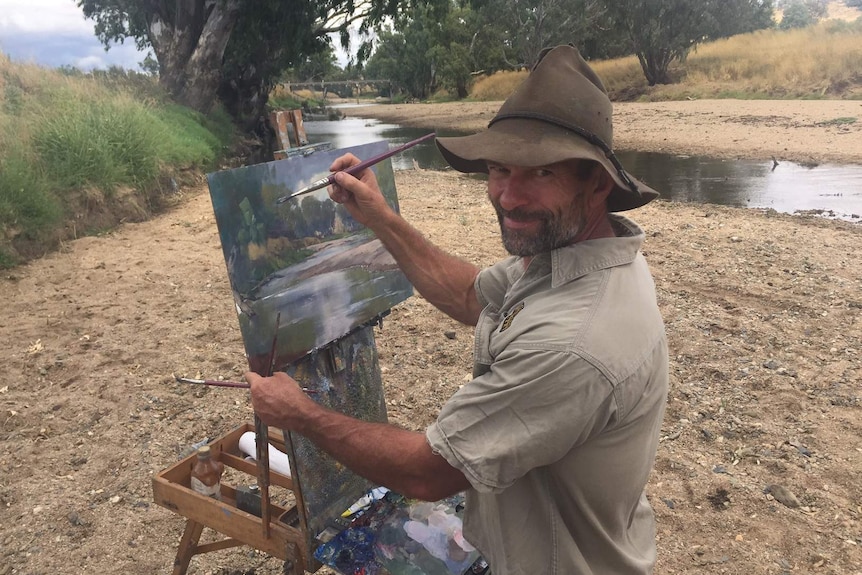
pixel 602 186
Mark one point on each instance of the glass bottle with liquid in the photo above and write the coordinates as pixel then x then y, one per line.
pixel 206 474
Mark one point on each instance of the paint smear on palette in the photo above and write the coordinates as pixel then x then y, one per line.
pixel 399 536
pixel 307 259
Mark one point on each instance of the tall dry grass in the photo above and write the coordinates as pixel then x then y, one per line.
pixel 822 61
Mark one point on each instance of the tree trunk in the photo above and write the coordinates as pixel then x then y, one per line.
pixel 203 69
pixel 245 98
pixel 189 43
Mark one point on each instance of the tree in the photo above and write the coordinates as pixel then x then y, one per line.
pixel 740 17
pixel 802 13
pixel 231 49
pixel 525 27
pixel 411 52
pixel 661 31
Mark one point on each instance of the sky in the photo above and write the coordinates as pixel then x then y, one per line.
pixel 54 33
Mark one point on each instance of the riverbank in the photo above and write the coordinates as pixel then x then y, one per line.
pixel 801 131
pixel 758 468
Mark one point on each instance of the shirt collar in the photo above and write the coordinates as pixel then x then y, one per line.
pixel 571 262
pixel 577 260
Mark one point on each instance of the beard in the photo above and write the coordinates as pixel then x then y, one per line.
pixel 554 230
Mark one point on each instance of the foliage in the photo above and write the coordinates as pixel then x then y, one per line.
pixel 318 66
pixel 815 62
pixel 801 13
pixel 822 61
pixel 232 49
pixel 523 28
pixel 663 31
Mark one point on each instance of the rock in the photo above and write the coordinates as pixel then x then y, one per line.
pixel 783 495
pixel 450 334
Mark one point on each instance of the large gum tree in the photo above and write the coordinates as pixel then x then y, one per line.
pixel 232 50
pixel 661 31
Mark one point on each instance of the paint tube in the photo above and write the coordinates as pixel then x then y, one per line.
pixel 366 500
pixel 278 460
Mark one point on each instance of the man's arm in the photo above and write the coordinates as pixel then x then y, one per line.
pixel 386 455
pixel 446 281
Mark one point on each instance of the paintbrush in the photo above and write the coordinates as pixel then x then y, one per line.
pixel 216 383
pixel 353 170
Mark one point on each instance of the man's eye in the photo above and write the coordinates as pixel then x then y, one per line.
pixel 544 173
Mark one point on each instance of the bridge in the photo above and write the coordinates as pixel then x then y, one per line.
pixel 334 85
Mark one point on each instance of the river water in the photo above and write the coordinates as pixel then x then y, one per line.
pixel 829 190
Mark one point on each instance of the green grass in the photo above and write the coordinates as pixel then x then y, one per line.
pixel 67 136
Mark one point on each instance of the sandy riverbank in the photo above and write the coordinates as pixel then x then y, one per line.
pixel 762 311
pixel 808 132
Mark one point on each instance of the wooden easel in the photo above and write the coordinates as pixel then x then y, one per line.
pixel 287 540
pixel 322 489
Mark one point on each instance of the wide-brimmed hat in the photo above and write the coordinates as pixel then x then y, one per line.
pixel 560 112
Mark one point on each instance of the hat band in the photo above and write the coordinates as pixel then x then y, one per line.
pixel 585 134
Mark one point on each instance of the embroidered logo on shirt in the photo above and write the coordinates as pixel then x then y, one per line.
pixel 507 321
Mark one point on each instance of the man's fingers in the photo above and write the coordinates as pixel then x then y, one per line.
pixel 343 162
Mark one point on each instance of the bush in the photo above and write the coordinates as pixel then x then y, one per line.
pixel 104 143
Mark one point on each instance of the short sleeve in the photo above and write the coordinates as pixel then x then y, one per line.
pixel 528 411
pixel 492 282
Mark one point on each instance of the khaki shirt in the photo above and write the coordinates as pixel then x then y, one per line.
pixel 558 431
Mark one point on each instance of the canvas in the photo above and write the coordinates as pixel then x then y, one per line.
pixel 306 261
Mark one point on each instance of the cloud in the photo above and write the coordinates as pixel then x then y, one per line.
pixel 55 33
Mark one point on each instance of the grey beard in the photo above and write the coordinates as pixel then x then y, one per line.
pixel 552 234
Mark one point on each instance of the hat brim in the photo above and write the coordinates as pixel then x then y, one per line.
pixel 530 143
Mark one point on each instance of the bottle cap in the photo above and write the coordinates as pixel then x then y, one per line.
pixel 204 452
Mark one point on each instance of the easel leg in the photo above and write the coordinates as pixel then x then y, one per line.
pixel 188 545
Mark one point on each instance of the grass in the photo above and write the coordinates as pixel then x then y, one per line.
pixel 822 61
pixel 67 138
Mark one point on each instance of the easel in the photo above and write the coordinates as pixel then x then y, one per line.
pixel 321 488
pixel 344 371
pixel 286 538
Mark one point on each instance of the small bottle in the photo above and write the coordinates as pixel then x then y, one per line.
pixel 206 474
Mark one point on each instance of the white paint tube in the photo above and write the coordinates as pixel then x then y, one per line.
pixel 278 460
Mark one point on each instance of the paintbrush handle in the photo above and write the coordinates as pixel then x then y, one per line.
pixel 216 383
pixel 354 170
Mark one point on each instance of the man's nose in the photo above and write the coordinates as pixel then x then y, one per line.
pixel 513 195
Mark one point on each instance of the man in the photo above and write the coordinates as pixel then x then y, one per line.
pixel 554 438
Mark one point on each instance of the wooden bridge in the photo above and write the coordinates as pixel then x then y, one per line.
pixel 334 86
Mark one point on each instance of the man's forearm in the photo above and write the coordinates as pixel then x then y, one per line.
pixel 446 281
pixel 386 455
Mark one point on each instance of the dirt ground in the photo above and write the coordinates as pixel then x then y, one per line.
pixel 758 470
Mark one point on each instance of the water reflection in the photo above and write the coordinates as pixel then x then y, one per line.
pixel 834 190
pixel 789 187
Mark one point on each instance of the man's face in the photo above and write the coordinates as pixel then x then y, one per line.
pixel 540 208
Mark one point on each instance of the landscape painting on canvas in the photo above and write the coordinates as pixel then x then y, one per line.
pixel 306 261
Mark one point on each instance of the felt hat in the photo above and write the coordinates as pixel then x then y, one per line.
pixel 561 111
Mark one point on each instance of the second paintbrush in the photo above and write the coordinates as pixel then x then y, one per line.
pixel 353 170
